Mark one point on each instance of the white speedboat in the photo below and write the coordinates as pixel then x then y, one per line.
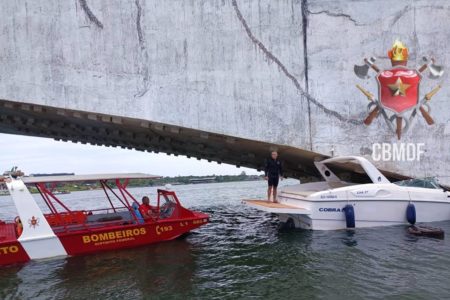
pixel 338 204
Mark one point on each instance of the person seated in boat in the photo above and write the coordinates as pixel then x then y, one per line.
pixel 145 208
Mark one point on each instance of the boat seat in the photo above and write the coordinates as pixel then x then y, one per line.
pixel 66 218
pixel 114 216
pixel 138 214
pixel 110 218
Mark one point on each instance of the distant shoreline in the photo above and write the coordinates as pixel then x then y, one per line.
pixel 173 180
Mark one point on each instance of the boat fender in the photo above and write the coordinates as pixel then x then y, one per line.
pixel 349 212
pixel 411 214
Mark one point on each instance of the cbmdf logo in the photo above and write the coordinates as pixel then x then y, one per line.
pixel 399 99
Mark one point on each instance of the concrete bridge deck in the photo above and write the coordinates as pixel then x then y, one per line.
pixel 97 129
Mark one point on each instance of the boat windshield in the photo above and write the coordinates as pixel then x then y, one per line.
pixel 167 205
pixel 428 183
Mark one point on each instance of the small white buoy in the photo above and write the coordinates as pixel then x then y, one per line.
pixel 168 186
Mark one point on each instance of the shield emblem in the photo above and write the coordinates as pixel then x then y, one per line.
pixel 398 89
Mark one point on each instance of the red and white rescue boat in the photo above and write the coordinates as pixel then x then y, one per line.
pixel 61 232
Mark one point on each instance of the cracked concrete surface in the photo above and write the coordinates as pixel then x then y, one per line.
pixel 90 15
pixel 145 63
pixel 274 71
pixel 272 57
pixel 335 14
pixel 304 7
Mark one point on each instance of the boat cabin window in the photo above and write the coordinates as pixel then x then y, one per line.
pixel 356 175
pixel 428 183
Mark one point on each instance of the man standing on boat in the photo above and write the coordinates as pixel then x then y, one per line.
pixel 273 171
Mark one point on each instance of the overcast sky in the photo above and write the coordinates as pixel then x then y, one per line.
pixel 39 155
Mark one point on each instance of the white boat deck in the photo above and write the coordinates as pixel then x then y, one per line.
pixel 272 207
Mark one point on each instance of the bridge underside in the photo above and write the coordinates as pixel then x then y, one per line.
pixel 142 135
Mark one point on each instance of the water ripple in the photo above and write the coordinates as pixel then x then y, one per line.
pixel 241 255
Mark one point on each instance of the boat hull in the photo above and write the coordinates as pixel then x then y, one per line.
pixel 330 215
pixel 108 238
pixel 127 236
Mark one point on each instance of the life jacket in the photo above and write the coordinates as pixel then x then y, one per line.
pixel 19 226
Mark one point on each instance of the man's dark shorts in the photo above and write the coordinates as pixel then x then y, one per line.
pixel 273 181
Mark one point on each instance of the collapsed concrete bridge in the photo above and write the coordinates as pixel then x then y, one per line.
pixel 222 80
pixel 105 130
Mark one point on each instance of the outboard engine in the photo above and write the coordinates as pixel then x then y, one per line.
pixel 286 226
pixel 411 214
pixel 349 212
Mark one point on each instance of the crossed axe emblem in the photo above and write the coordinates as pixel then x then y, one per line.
pixel 396 122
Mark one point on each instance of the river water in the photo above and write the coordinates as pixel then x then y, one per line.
pixel 241 255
